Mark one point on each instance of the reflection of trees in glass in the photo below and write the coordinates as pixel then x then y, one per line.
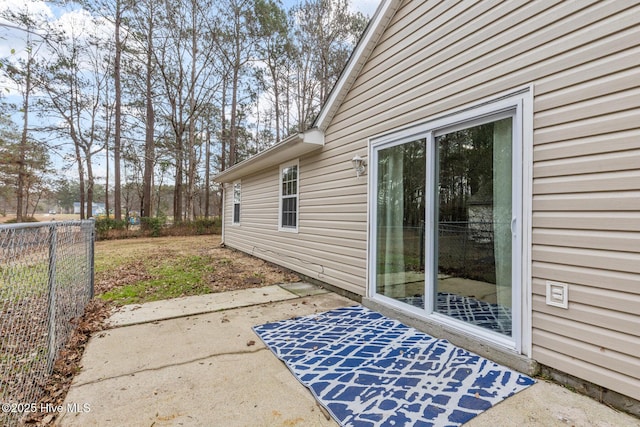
pixel 466 196
pixel 414 183
pixel 465 170
pixel 465 178
pixel 406 177
pixel 401 207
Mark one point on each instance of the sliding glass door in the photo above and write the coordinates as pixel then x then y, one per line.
pixel 400 222
pixel 445 210
pixel 473 222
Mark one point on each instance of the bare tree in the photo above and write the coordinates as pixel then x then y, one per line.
pixel 117 142
pixel 237 44
pixel 324 33
pixel 21 73
pixel 74 81
pixel 32 164
pixel 114 11
pixel 143 22
pixel 274 48
pixel 185 60
pixel 234 75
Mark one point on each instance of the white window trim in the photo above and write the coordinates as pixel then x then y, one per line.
pixel 520 100
pixel 233 203
pixel 295 163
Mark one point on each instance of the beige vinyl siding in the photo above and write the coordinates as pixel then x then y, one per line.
pixel 583 60
pixel 433 80
pixel 331 241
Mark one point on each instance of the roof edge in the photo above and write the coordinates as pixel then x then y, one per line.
pixel 291 147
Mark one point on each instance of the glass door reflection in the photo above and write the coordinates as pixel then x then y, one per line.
pixel 474 212
pixel 400 222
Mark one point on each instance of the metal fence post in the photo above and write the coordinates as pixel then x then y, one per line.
pixel 51 339
pixel 92 252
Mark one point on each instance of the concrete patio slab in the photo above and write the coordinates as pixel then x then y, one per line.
pixel 547 404
pixel 304 289
pixel 209 369
pixel 201 370
pixel 248 388
pixel 187 306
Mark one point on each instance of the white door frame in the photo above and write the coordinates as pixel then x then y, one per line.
pixel 519 105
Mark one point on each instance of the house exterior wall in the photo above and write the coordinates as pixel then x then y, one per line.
pixel 583 61
pixel 330 244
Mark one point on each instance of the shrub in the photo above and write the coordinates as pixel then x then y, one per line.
pixel 205 226
pixel 105 225
pixel 153 225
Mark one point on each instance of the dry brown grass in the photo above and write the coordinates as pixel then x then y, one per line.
pixel 142 263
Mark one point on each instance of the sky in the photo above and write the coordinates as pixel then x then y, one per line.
pixel 12 40
pixel 367 7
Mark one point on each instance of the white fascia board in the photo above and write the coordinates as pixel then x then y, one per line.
pixel 313 136
pixel 290 148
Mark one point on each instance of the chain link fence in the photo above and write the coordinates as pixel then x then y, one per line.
pixel 46 280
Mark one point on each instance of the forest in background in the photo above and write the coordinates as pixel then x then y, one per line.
pixel 136 105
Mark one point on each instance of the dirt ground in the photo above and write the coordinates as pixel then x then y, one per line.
pixel 124 262
pixel 127 261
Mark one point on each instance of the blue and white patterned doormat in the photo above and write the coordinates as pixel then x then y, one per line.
pixel 468 309
pixel 369 370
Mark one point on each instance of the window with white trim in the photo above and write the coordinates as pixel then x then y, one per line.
pixel 288 215
pixel 237 193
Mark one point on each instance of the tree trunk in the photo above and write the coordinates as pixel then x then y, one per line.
pixel 35 205
pixel 81 179
pixel 106 183
pixel 223 124
pixel 207 174
pixel 191 142
pixel 233 127
pixel 276 97
pixel 177 192
pixel 117 204
pixel 233 140
pixel 149 143
pixel 23 143
pixel 90 182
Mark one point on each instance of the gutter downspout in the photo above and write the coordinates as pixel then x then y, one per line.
pixel 222 217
